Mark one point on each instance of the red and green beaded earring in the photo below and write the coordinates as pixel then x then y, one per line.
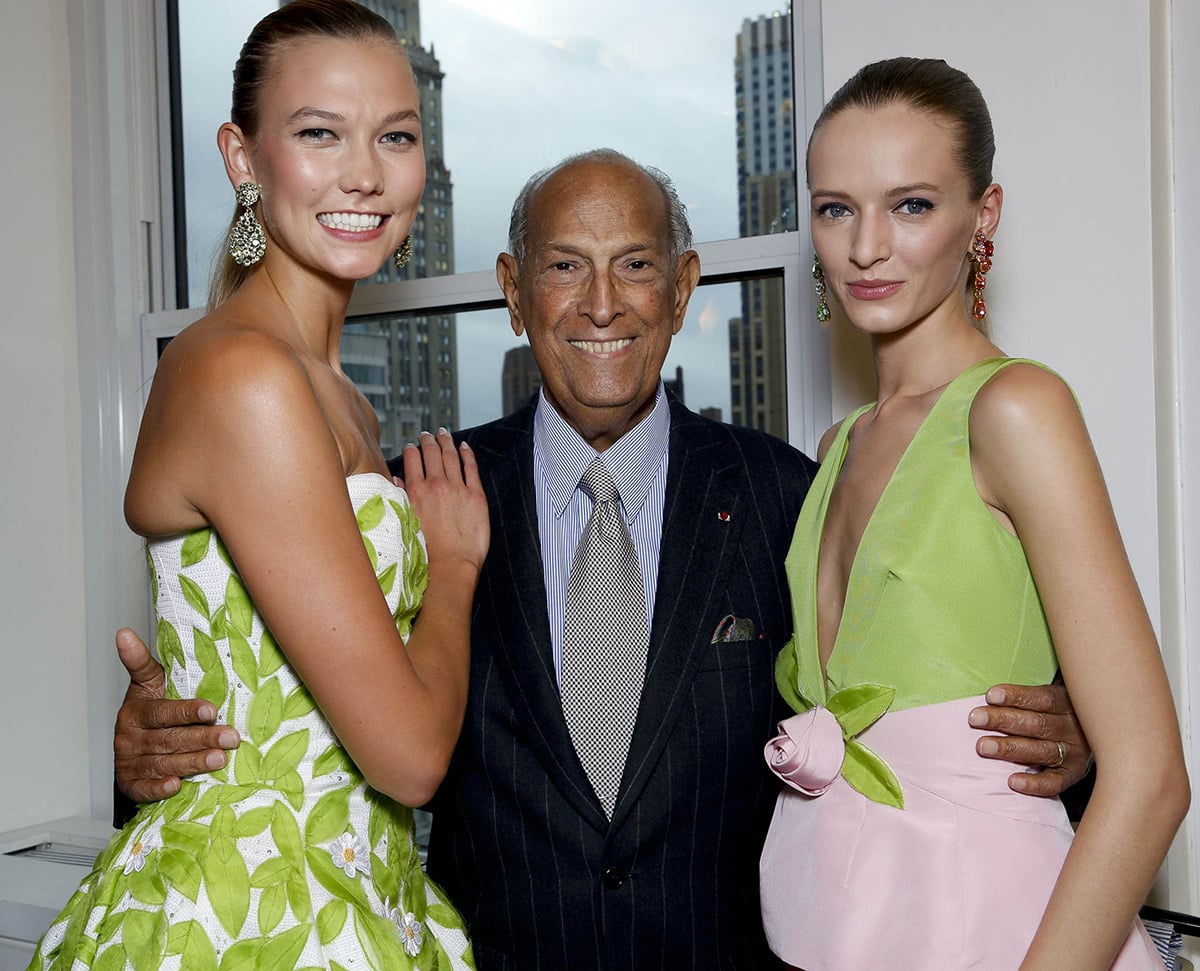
pixel 982 250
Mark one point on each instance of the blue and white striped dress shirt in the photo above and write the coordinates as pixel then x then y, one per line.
pixel 637 462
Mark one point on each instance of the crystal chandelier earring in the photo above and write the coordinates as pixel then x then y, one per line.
pixel 247 242
pixel 818 273
pixel 404 253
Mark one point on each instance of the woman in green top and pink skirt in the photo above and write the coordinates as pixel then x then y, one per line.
pixel 959 535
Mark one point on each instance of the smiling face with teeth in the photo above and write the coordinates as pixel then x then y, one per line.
pixel 338 155
pixel 599 294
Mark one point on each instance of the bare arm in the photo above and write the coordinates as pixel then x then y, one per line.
pixel 158 742
pixel 235 425
pixel 1035 463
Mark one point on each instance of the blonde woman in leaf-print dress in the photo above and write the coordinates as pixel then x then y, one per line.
pixel 286 857
pixel 296 588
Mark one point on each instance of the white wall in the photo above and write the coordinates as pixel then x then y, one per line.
pixel 1073 282
pixel 43 687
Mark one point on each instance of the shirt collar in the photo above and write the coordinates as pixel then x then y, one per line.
pixel 631 460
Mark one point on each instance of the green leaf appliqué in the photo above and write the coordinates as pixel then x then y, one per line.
pixel 195 547
pixel 284 756
pixel 194 595
pixel 370 514
pixel 245 665
pixel 247 764
pixel 271 906
pixel 329 819
pixel 298 703
pixel 270 657
pixel 858 707
pixel 870 775
pixel 214 685
pixel 265 713
pixel 330 920
pixel 182 871
pixel 280 952
pixel 145 938
pixel 331 760
pixel 168 646
pixel 237 603
pixel 228 884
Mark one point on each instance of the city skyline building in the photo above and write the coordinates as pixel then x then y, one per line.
pixel 406 366
pixel 675 384
pixel 519 378
pixel 766 204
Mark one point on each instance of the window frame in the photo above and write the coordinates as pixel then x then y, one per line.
pixel 126 282
pixel 807 352
pixel 123 233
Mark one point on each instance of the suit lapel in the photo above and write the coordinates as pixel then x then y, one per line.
pixel 701 523
pixel 514 592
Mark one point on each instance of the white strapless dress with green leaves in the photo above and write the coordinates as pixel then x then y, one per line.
pixel 286 858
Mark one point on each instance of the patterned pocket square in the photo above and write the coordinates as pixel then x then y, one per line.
pixel 733 628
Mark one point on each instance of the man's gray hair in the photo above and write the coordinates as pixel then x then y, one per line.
pixel 679 233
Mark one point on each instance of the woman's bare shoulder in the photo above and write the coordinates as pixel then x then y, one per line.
pixel 221 380
pixel 1025 431
pixel 1021 399
pixel 225 350
pixel 827 440
pixel 224 394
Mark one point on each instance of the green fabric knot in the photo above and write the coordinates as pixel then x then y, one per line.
pixel 856 709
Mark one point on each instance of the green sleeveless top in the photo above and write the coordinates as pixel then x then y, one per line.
pixel 940 603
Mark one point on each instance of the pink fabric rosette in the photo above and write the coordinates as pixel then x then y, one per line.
pixel 807 753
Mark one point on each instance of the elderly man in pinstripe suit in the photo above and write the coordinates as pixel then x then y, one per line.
pixel 547 873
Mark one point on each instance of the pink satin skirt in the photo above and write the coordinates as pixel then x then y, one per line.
pixel 959 878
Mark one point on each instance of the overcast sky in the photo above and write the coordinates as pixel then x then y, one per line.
pixel 528 82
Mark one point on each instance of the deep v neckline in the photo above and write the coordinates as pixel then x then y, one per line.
pixel 853 578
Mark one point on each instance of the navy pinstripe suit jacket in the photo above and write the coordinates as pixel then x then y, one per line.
pixel 519 840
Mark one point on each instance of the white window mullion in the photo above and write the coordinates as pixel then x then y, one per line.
pixel 114 118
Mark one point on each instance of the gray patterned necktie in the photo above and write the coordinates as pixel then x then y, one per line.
pixel 606 636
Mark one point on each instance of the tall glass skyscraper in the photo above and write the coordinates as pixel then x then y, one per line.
pixel 406 366
pixel 767 204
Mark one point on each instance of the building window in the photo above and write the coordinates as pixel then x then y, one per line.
pixel 466 168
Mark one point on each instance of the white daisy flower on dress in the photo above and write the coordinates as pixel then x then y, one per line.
pixel 350 854
pixel 409 926
pixel 137 857
pixel 410 930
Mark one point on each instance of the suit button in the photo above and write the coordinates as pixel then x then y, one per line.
pixel 614 876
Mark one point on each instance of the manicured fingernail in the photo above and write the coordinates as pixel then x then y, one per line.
pixel 978 718
pixel 214 760
pixel 466 445
pixel 207 713
pixel 996 696
pixel 442 430
pixel 228 739
pixel 988 746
